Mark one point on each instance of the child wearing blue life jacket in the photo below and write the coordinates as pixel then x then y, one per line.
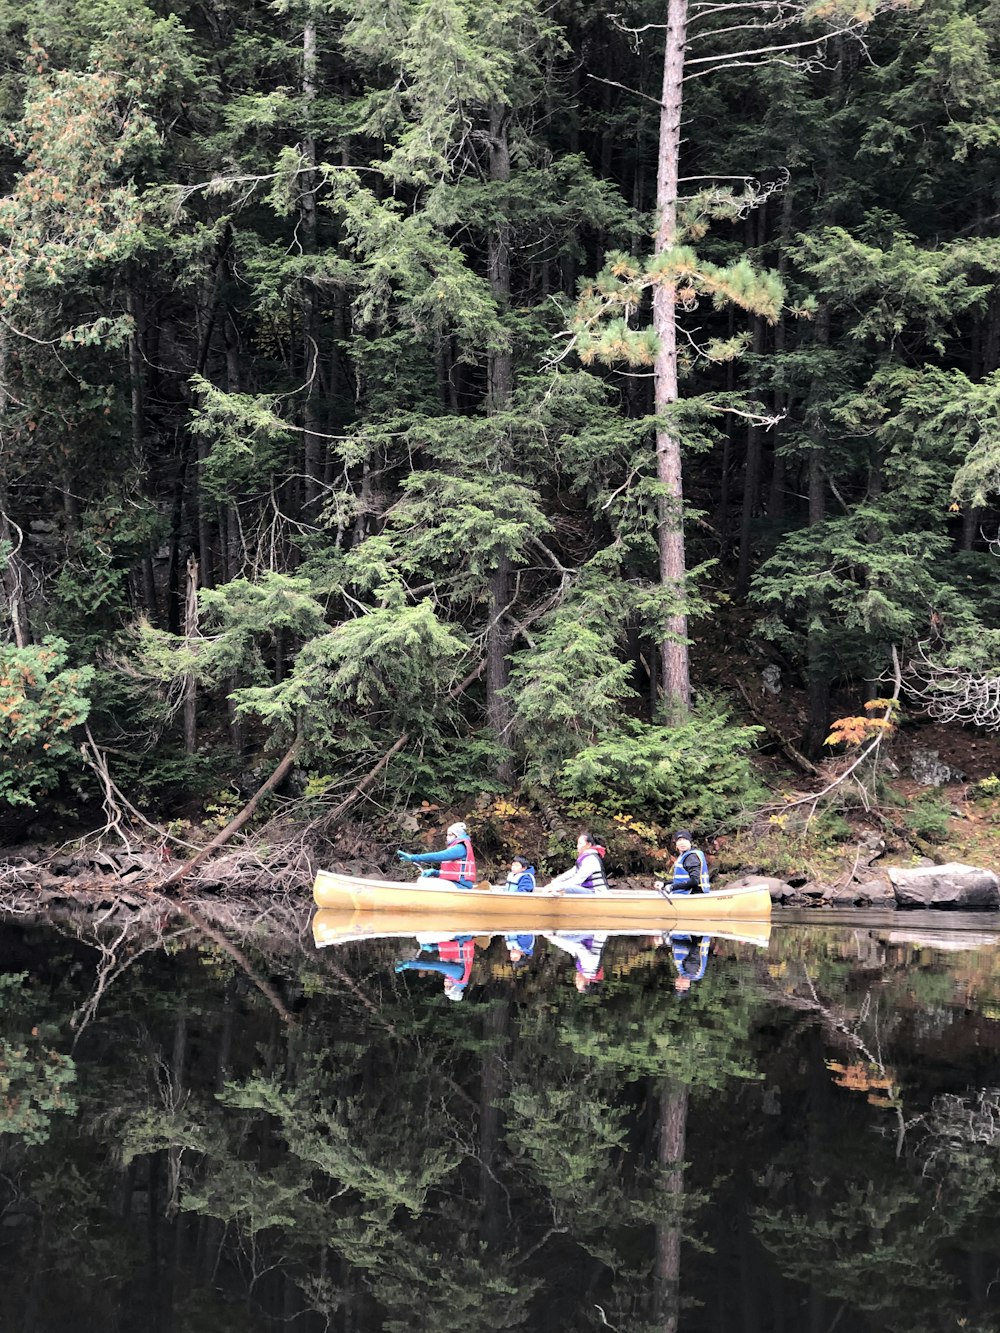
pixel 520 877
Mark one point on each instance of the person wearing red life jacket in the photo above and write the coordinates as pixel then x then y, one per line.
pixel 455 863
pixel 587 876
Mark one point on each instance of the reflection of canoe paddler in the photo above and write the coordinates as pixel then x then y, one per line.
pixel 585 950
pixel 451 957
pixel 690 954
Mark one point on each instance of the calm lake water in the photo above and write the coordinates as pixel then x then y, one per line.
pixel 197 1137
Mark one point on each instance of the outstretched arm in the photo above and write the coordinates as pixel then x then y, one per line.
pixel 453 853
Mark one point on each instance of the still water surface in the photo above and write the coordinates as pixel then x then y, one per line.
pixel 805 1138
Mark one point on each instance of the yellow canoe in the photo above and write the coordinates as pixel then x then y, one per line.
pixel 349 927
pixel 489 909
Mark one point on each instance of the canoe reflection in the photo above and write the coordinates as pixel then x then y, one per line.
pixel 448 950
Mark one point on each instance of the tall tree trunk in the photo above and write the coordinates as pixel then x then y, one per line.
pixel 776 497
pixel 313 444
pixel 13 568
pixel 817 668
pixel 674 655
pixel 751 482
pixel 499 381
pixel 137 386
pixel 190 633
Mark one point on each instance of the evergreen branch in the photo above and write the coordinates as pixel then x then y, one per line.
pixel 221 184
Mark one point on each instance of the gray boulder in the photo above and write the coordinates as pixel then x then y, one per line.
pixel 949 886
pixel 930 771
pixel 777 888
pixel 873 893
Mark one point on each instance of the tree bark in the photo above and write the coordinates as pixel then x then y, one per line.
pixel 190 634
pixel 313 442
pixel 674 654
pixel 13 569
pixel 499 383
pixel 817 670
pixel 751 482
pixel 776 497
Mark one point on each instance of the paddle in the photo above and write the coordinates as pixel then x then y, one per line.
pixel 661 886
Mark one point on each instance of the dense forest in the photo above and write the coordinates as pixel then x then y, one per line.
pixel 435 391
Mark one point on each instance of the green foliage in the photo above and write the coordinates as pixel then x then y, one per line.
pixel 698 772
pixel 928 817
pixel 42 701
pixel 832 826
pixel 601 325
pixel 247 438
pixel 569 689
pixel 34 1077
pixel 367 680
pixel 854 586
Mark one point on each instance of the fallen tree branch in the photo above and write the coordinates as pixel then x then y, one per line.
pixel 870 749
pixel 116 803
pixel 361 787
pixel 786 747
pixel 235 824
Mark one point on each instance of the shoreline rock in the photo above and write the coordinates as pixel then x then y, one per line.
pixel 948 887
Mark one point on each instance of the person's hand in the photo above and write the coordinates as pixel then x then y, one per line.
pixel 403 856
pixel 400 967
pixel 427 874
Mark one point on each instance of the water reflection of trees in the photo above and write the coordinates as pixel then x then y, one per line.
pixel 536 1159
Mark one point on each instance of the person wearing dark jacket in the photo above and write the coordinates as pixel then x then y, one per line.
pixel 690 873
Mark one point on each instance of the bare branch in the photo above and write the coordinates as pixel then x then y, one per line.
pixel 613 83
pixel 954 693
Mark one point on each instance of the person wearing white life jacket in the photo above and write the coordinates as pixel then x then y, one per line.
pixel 588 875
